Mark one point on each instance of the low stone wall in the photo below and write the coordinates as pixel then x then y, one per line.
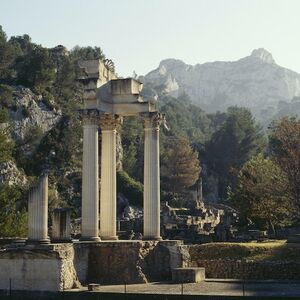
pixel 110 262
pixel 242 269
pixel 57 267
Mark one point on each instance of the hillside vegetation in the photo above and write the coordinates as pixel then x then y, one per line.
pixel 40 128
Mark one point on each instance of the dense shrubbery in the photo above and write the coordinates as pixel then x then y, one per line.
pixel 130 188
pixel 13 216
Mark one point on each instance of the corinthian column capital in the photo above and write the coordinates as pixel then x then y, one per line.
pixel 110 122
pixel 153 120
pixel 90 116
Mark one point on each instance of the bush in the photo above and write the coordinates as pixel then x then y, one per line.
pixel 48 100
pixel 4 115
pixel 6 96
pixel 130 188
pixel 13 216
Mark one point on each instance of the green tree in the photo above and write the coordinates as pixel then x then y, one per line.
pixel 180 167
pixel 234 143
pixel 130 188
pixel 4 115
pixel 6 147
pixel 262 194
pixel 7 57
pixel 133 147
pixel 87 53
pixel 13 216
pixel 185 119
pixel 6 96
pixel 285 149
pixel 36 68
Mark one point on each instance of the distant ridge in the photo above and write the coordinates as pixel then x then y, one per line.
pixel 255 81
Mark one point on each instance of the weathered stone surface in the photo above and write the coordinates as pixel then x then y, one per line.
pixel 188 275
pixel 43 268
pixel 38 113
pixel 10 174
pixel 128 261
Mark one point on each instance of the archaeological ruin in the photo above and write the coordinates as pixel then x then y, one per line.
pixel 107 100
pixel 41 264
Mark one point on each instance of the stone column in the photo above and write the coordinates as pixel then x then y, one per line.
pixel 152 122
pixel 38 212
pixel 90 177
pixel 61 225
pixel 108 194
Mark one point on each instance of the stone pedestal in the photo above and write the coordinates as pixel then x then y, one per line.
pixel 90 176
pixel 61 225
pixel 38 212
pixel 38 268
pixel 188 275
pixel 151 177
pixel 108 200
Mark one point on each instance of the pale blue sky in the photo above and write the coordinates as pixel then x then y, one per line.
pixel 138 34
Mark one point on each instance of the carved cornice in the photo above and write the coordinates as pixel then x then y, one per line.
pixel 153 120
pixel 110 121
pixel 90 116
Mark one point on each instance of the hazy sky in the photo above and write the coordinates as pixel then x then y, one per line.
pixel 138 34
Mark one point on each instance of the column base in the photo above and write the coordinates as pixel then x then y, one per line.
pixel 110 238
pixel 90 239
pixel 152 238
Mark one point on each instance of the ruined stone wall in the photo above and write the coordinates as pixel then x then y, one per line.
pixel 242 269
pixel 128 261
pixel 58 267
pixel 47 268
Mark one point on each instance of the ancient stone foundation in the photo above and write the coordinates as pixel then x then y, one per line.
pixel 128 261
pixel 58 267
pixel 38 268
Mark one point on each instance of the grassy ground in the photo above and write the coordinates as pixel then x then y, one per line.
pixel 264 251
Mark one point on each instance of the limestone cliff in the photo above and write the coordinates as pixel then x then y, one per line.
pixel 255 81
pixel 31 110
pixel 10 174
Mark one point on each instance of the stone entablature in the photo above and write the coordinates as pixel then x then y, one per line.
pixel 107 100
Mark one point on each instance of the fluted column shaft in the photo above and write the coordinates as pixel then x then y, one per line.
pixel 151 177
pixel 90 177
pixel 108 194
pixel 38 212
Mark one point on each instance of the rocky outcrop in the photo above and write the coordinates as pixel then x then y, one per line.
pixel 30 110
pixel 255 81
pixel 10 174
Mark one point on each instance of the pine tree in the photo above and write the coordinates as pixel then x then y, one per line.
pixel 180 166
pixel 285 150
pixel 234 143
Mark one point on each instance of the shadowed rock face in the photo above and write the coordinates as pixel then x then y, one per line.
pixel 255 81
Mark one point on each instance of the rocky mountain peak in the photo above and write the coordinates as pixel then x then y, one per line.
pixel 263 55
pixel 171 63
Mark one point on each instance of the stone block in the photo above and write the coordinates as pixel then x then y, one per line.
pixel 188 275
pixel 38 268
